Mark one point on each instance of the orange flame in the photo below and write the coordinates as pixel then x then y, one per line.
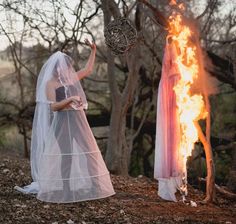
pixel 172 2
pixel 191 107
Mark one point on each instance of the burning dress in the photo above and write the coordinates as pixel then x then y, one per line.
pixel 168 166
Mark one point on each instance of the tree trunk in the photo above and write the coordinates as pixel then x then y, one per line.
pixel 210 183
pixel 26 150
pixel 117 154
pixel 116 157
pixel 18 67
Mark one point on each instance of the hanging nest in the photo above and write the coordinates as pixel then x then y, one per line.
pixel 120 35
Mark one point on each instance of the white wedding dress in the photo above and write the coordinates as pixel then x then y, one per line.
pixel 66 163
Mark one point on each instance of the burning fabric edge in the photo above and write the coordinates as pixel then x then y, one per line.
pixel 182 101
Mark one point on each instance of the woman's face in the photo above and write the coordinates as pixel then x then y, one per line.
pixel 69 62
pixel 63 69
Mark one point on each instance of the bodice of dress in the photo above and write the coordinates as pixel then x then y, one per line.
pixel 60 92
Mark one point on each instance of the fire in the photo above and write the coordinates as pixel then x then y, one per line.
pixel 191 107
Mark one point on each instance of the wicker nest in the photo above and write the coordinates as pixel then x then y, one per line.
pixel 120 35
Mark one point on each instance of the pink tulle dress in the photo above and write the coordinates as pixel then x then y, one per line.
pixel 167 166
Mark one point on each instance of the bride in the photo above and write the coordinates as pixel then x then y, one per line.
pixel 66 163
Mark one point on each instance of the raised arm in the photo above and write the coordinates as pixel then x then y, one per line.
pixel 87 70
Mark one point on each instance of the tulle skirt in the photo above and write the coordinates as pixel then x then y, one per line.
pixel 168 164
pixel 167 157
pixel 71 167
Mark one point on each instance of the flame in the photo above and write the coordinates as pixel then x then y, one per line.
pixel 181 6
pixel 191 107
pixel 172 2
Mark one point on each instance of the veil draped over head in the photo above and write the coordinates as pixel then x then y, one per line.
pixel 66 163
pixel 58 65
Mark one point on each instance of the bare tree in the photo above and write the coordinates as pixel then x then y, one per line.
pixel 118 150
pixel 25 22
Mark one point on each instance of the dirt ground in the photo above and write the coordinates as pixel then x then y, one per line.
pixel 136 201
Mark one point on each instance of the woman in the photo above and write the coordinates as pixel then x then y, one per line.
pixel 66 163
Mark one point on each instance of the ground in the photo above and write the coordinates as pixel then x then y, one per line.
pixel 136 201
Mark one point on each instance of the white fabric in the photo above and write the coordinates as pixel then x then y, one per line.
pixel 66 162
pixel 167 187
pixel 168 165
pixel 33 188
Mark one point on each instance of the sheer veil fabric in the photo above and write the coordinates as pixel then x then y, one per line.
pixel 168 164
pixel 66 163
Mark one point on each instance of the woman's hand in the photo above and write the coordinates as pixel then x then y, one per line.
pixel 75 99
pixel 91 45
pixel 76 102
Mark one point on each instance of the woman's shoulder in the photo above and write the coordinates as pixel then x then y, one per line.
pixel 52 84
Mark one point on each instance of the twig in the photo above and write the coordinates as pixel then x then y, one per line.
pixel 221 190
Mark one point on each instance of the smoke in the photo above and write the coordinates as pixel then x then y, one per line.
pixel 204 84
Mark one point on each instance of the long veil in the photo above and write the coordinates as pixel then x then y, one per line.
pixel 60 64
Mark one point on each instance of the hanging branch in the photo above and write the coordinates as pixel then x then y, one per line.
pixel 161 20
